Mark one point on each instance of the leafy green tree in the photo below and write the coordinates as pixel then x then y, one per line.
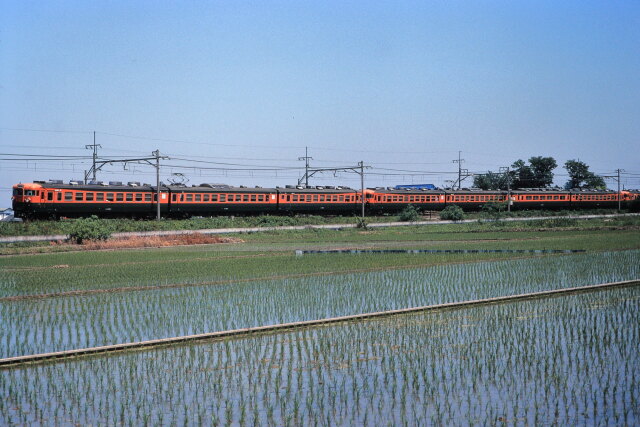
pixel 542 170
pixel 581 177
pixel 538 173
pixel 521 175
pixel 490 181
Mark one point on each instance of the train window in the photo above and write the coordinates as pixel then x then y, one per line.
pixel 315 197
pixel 59 196
pixel 205 197
pixel 335 198
pixel 110 197
pixel 119 197
pixel 253 198
pixel 138 197
pixel 155 197
pixel 17 191
pixel 198 198
pixel 100 197
pixel 528 197
pixel 288 197
pixel 147 197
pixel 173 197
pixel 214 197
pixel 341 198
pixel 245 198
pixel 50 196
pixel 223 197
pixel 79 197
pixel 67 196
pixel 129 197
pixel 189 197
pixel 261 197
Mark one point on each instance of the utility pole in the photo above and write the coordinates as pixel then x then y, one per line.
pixel 156 154
pixel 361 164
pixel 459 162
pixel 95 155
pixel 306 159
pixel 619 201
pixel 505 171
pixel 617 178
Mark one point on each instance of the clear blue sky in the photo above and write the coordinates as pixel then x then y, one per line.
pixel 400 85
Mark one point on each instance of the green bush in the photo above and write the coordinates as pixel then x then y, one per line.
pixel 494 210
pixel 410 213
pixel 452 213
pixel 92 228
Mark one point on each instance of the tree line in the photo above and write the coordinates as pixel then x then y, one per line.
pixel 538 173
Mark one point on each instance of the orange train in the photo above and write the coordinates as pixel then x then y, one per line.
pixel 54 199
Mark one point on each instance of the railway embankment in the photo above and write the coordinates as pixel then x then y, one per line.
pixel 237 230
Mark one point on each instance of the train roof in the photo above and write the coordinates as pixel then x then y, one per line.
pixel 475 191
pixel 414 191
pixel 319 190
pixel 92 186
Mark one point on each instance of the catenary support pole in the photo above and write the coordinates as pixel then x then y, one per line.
pixel 362 185
pixel 157 156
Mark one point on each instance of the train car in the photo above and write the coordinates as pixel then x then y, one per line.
pixel 54 199
pixel 535 198
pixel 595 199
pixel 473 200
pixel 320 200
pixel 391 200
pixel 215 199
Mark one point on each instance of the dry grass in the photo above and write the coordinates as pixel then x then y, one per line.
pixel 159 241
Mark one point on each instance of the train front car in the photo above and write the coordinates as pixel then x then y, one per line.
pixel 54 199
pixel 391 201
pixel 473 200
pixel 320 200
pixel 220 199
pixel 27 201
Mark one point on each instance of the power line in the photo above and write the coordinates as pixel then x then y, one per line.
pixel 45 130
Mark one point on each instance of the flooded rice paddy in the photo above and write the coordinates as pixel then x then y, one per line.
pixel 570 360
pixel 62 323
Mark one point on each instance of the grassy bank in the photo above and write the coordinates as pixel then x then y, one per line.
pixel 42 227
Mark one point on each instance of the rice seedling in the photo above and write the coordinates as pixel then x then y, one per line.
pixel 567 361
pixel 54 324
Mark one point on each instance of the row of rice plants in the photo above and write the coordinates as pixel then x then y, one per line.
pixel 561 361
pixel 54 324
